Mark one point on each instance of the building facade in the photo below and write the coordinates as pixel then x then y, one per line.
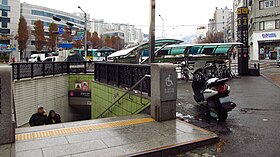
pixel 264 28
pixel 131 33
pixel 33 12
pixel 222 21
pixel 10 14
pixel 221 17
pixel 200 33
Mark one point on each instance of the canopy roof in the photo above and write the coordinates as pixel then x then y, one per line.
pixel 158 43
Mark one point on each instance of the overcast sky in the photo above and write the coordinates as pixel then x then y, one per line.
pixel 174 12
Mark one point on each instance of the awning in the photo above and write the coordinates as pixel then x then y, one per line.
pixel 158 43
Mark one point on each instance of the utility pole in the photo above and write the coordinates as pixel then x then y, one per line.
pixel 85 33
pixel 152 31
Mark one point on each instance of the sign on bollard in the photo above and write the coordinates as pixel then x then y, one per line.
pixel 163 91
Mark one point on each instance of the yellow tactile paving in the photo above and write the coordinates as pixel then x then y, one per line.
pixel 71 130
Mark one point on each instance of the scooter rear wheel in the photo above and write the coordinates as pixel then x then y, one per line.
pixel 222 115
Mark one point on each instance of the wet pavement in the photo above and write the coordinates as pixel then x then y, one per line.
pixel 252 128
pixel 118 136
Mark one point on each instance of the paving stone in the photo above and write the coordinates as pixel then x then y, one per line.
pixel 88 136
pixel 30 153
pixel 39 143
pixel 75 148
pixel 5 150
pixel 117 141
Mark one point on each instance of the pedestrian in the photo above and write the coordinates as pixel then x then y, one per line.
pixel 13 59
pixel 53 118
pixel 39 118
pixel 26 59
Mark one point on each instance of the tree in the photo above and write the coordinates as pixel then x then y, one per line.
pixel 39 34
pixel 22 36
pixel 214 38
pixel 67 34
pixel 119 43
pixel 114 42
pixel 108 41
pixel 53 35
pixel 89 43
pixel 95 40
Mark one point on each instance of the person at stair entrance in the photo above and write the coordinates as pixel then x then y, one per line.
pixel 39 118
pixel 53 118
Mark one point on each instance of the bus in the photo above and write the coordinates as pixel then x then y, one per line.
pixel 90 53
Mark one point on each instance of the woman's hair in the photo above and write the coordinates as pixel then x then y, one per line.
pixel 50 113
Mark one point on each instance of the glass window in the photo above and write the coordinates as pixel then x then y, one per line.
pixel 261 5
pixel 177 51
pixel 222 49
pixel 5 2
pixel 269 25
pixel 277 24
pixel 162 52
pixel 267 4
pixel 4 24
pixel 4 13
pixel 195 50
pixel 261 25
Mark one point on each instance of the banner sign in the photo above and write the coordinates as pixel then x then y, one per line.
pixel 78 38
pixel 7 47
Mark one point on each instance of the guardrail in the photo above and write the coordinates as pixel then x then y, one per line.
pixel 42 69
pixel 123 75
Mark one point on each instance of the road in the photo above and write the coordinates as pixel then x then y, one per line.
pixel 252 128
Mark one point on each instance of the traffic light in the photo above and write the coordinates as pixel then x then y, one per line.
pixel 56 18
pixel 69 24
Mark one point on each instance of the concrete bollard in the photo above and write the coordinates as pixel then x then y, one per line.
pixel 7 123
pixel 163 91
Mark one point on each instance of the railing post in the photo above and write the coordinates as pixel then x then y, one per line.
pixel 131 75
pixel 18 71
pixel 32 68
pixel 43 69
pixel 62 70
pixel 53 68
pixel 68 67
pixel 117 81
pixel 85 67
pixel 107 80
pixel 13 73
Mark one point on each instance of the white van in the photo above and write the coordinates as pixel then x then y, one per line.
pixel 36 58
pixel 52 59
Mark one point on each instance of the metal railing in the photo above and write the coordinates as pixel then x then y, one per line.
pixel 123 75
pixel 42 69
pixel 140 82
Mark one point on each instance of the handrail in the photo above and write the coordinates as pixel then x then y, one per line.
pixel 130 89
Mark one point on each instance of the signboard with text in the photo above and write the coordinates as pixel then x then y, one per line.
pixel 8 47
pixel 242 36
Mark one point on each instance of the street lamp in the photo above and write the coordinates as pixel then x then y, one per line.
pixel 85 33
pixel 162 25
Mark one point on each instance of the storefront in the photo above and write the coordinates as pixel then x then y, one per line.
pixel 263 45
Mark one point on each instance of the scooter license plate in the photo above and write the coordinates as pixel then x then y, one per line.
pixel 224 99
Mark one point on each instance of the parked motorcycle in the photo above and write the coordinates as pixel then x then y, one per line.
pixel 212 93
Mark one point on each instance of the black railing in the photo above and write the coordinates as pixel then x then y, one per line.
pixel 123 75
pixel 42 69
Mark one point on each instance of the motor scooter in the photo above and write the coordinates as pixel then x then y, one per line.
pixel 212 93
